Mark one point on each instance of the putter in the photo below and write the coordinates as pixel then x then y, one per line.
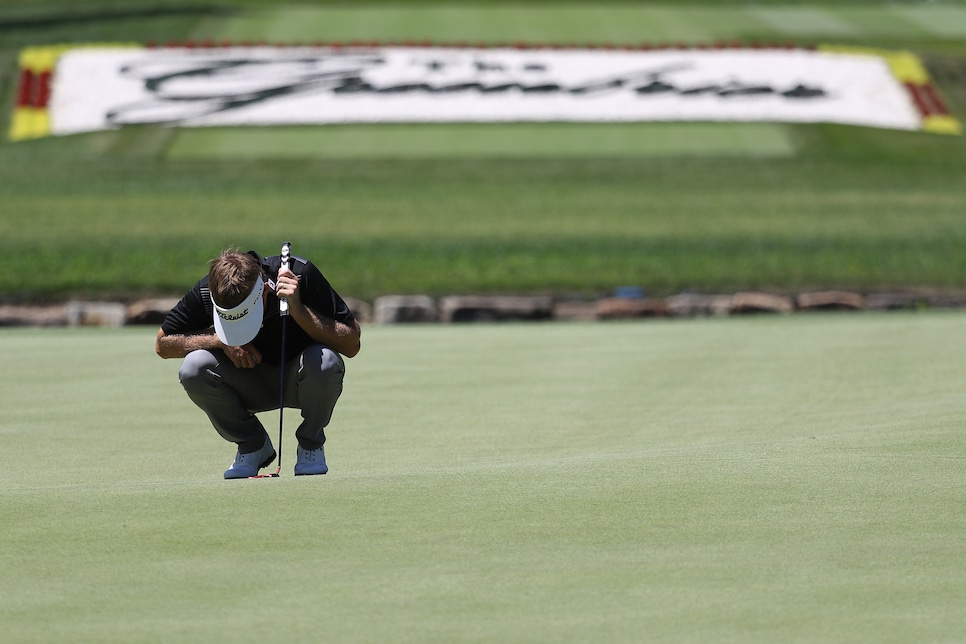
pixel 283 312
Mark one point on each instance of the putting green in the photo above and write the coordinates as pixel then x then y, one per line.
pixel 767 479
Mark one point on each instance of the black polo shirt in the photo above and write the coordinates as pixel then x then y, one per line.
pixel 193 314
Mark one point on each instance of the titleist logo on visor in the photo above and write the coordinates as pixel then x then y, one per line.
pixel 230 317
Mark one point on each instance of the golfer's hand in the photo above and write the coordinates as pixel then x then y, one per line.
pixel 287 286
pixel 244 357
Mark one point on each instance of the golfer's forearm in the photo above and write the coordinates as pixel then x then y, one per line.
pixel 343 338
pixel 178 346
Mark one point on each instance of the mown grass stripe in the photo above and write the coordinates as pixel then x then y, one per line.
pixel 551 140
pixel 944 21
pixel 617 23
pixel 878 23
pixel 620 24
pixel 805 21
pixel 675 24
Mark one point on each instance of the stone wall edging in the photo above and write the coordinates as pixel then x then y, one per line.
pixel 452 309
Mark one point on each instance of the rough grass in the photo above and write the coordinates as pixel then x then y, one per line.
pixel 443 226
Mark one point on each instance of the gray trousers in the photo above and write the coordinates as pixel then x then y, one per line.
pixel 231 396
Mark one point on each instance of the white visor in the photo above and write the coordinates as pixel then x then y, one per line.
pixel 239 325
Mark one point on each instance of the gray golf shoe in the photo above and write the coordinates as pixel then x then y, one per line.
pixel 247 465
pixel 310 461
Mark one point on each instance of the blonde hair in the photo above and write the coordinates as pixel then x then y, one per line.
pixel 231 277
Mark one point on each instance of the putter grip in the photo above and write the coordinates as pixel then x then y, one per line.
pixel 282 302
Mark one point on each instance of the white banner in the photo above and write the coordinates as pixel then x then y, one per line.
pixel 95 89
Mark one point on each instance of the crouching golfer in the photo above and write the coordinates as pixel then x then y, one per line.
pixel 229 332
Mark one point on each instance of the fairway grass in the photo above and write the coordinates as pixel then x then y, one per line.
pixel 742 479
pixel 548 208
